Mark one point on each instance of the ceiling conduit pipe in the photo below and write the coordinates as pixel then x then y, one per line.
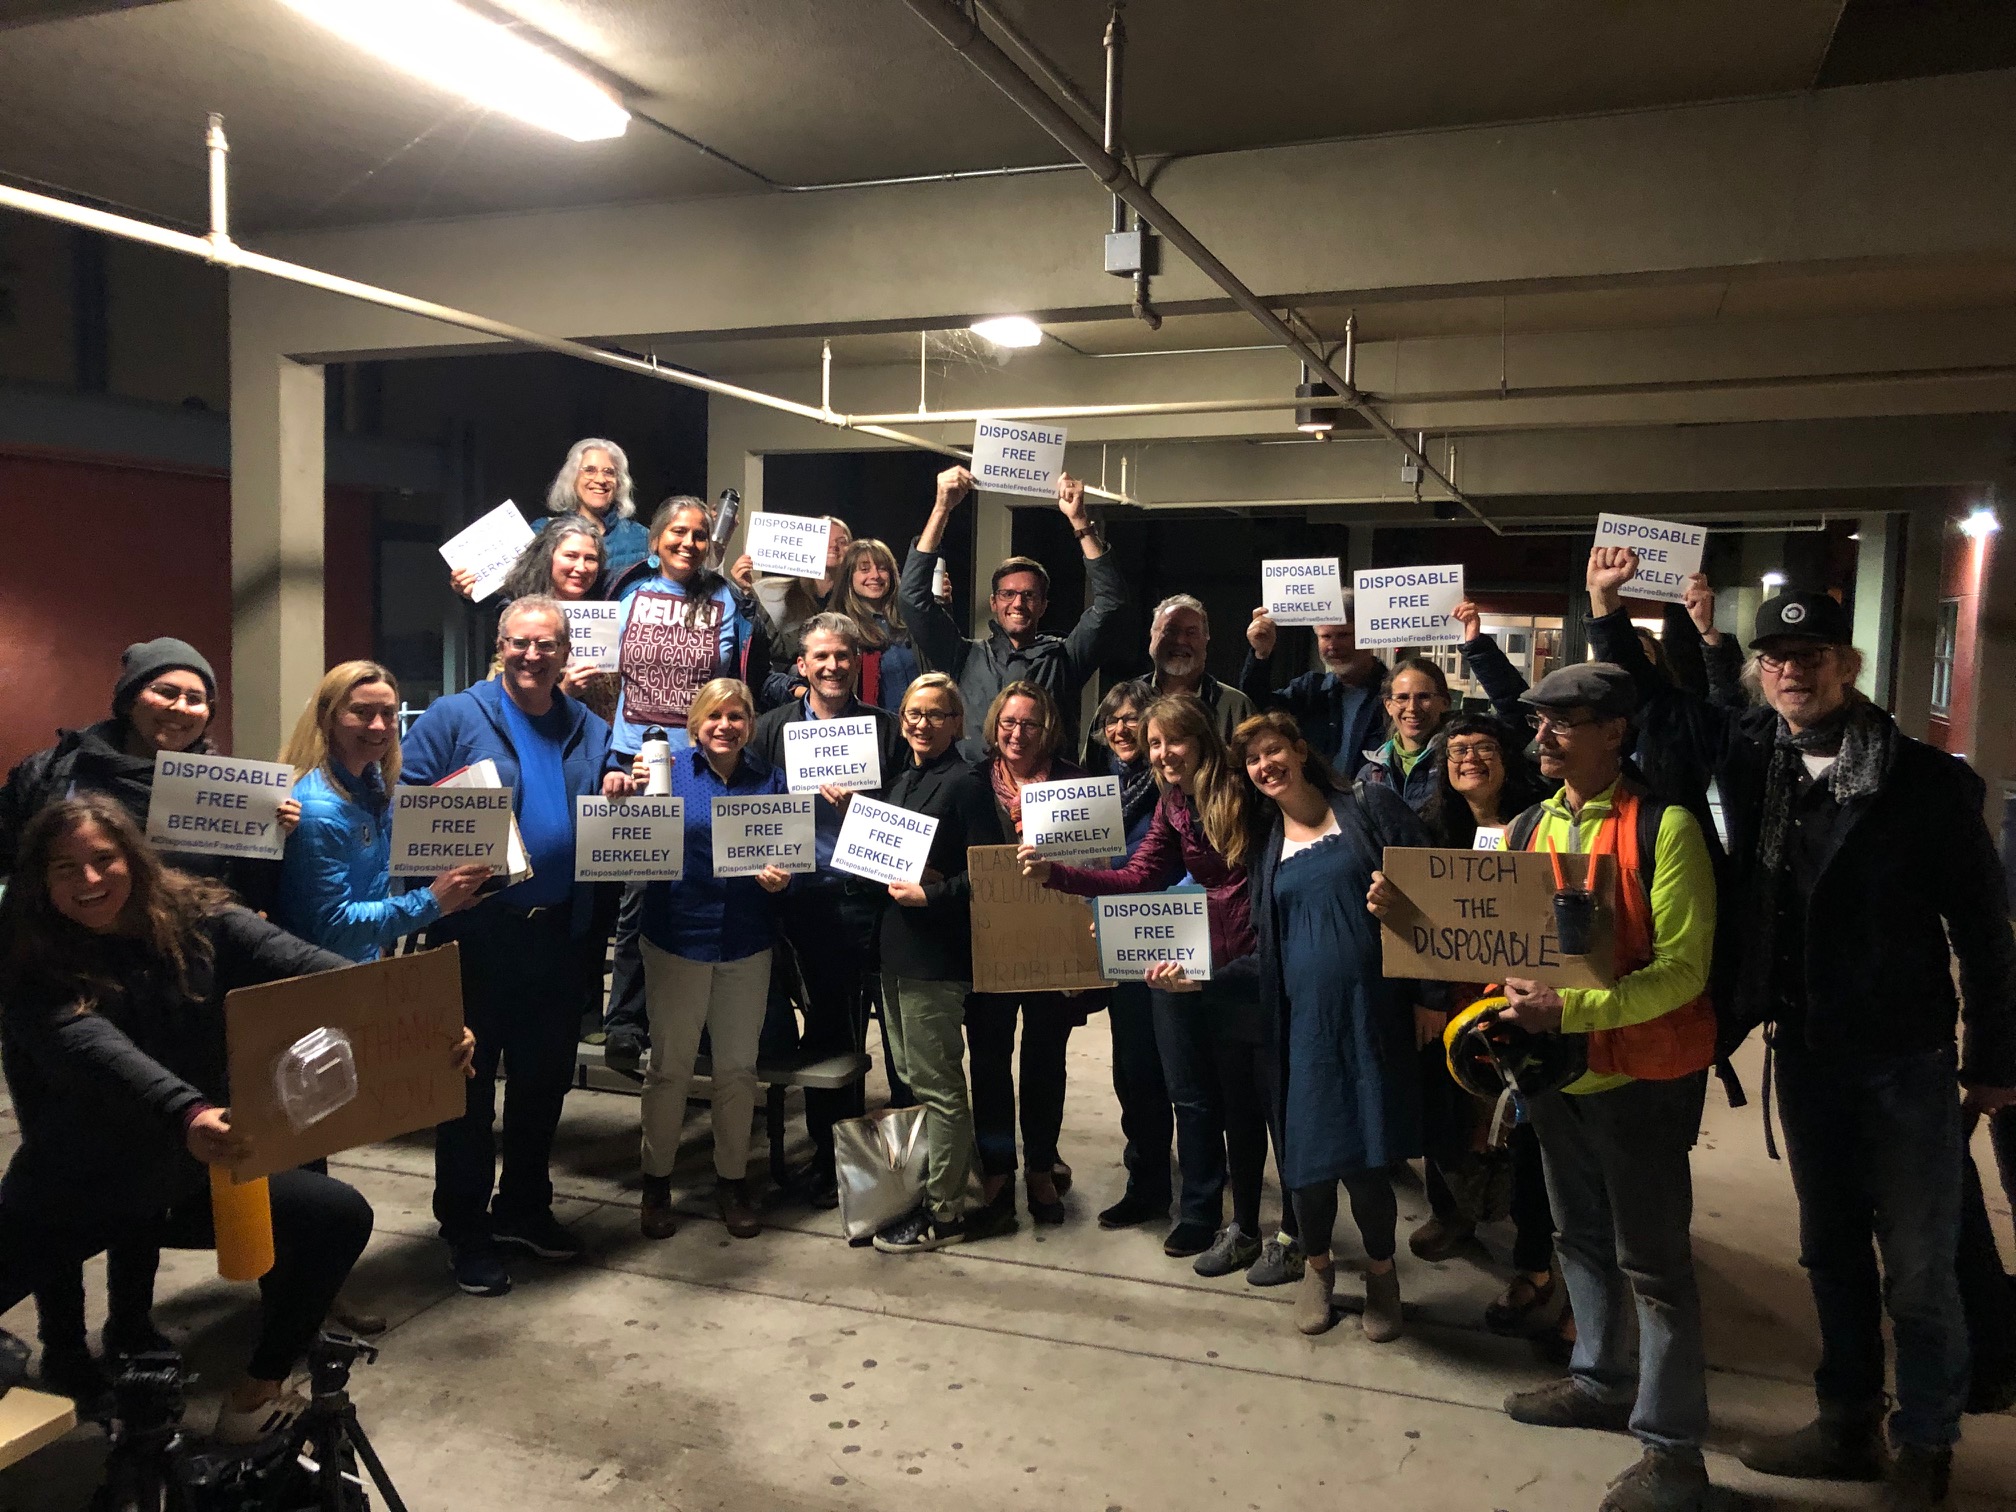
pixel 963 34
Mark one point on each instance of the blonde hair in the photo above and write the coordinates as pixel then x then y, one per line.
pixel 1046 713
pixel 943 682
pixel 307 749
pixel 1223 798
pixel 717 694
pixel 850 603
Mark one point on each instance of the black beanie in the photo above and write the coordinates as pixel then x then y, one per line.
pixel 146 660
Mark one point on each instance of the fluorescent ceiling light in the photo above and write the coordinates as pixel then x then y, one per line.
pixel 1009 330
pixel 443 43
pixel 1774 580
pixel 1981 524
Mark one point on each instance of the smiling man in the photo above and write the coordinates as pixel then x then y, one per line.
pixel 1338 708
pixel 1014 649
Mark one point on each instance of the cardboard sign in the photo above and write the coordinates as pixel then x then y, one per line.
pixel 1139 930
pixel 1027 938
pixel 488 548
pixel 403 1016
pixel 218 805
pixel 1075 820
pixel 1407 606
pixel 1668 554
pixel 436 828
pixel 882 842
pixel 842 753
pixel 629 839
pixel 1014 456
pixel 595 632
pixel 771 830
pixel 1481 916
pixel 1489 837
pixel 1303 590
pixel 788 545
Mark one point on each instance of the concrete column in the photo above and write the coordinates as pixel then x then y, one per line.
pixel 276 544
pixel 1918 620
pixel 1878 580
pixel 993 539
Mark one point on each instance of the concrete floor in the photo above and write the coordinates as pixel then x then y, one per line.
pixel 1067 1368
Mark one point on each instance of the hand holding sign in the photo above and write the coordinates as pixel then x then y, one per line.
pixel 1408 606
pixel 835 753
pixel 1018 457
pixel 1664 555
pixel 487 549
pixel 1140 930
pixel 1078 819
pixel 884 843
pixel 788 545
pixel 218 805
pixel 1302 591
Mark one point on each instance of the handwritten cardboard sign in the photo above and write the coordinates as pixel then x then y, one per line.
pixel 435 828
pixel 1139 930
pixel 1027 938
pixel 403 1016
pixel 629 839
pixel 488 549
pixel 218 805
pixel 770 829
pixel 1668 554
pixel 1407 606
pixel 595 633
pixel 882 842
pixel 1481 916
pixel 841 753
pixel 1015 456
pixel 788 545
pixel 1303 590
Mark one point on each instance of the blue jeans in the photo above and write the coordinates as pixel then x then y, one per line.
pixel 1146 1119
pixel 1623 1194
pixel 1875 1148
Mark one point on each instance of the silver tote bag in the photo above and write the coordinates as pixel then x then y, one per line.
pixel 879 1164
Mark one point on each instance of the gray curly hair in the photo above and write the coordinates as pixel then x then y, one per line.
pixel 560 495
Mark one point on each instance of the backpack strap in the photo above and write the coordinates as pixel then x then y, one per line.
pixel 1519 833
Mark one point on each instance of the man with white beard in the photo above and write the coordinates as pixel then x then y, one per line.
pixel 1179 635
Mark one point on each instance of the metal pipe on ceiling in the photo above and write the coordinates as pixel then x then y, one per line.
pixel 963 34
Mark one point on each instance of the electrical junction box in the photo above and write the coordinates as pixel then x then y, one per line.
pixel 1410 470
pixel 1131 252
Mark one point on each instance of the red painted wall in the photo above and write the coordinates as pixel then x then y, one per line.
pixel 148 553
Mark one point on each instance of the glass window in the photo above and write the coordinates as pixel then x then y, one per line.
pixel 1945 640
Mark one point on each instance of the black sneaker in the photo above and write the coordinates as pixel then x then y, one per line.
pixel 623 1050
pixel 1131 1209
pixel 919 1232
pixel 1187 1239
pixel 538 1234
pixel 479 1269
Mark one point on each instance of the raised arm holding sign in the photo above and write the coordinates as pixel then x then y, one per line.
pixel 1304 591
pixel 788 545
pixel 488 549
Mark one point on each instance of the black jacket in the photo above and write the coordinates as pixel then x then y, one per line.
pixel 768 739
pixel 1315 701
pixel 1058 664
pixel 1912 868
pixel 935 943
pixel 102 1096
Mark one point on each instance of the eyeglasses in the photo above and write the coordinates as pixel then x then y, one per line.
pixel 1019 595
pixel 169 694
pixel 1123 722
pixel 1415 699
pixel 1543 722
pixel 1806 659
pixel 545 645
pixel 1480 752
pixel 932 717
pixel 1020 727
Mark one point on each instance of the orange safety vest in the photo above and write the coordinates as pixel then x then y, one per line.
pixel 1677 1043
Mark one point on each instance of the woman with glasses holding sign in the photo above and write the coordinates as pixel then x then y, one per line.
pixel 1022 734
pixel 1212 1034
pixel 1352 1105
pixel 706 942
pixel 927 960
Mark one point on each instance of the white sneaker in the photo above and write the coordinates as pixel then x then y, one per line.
pixel 240 1425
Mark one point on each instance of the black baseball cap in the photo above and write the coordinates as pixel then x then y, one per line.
pixel 1803 616
pixel 1602 687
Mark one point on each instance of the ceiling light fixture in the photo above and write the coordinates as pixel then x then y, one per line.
pixel 1981 524
pixel 1774 580
pixel 1009 331
pixel 443 43
pixel 1314 419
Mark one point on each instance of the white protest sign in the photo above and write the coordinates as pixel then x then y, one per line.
pixel 1407 606
pixel 772 829
pixel 882 842
pixel 1077 819
pixel 1668 554
pixel 1489 837
pixel 787 545
pixel 842 753
pixel 1303 591
pixel 218 805
pixel 629 839
pixel 1013 456
pixel 487 548
pixel 1140 930
pixel 436 828
pixel 595 631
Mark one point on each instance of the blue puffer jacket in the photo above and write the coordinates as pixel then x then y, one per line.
pixel 464 728
pixel 335 882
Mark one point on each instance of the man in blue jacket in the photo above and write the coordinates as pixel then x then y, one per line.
pixel 526 950
pixel 1339 708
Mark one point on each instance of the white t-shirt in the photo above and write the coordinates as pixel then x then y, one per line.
pixel 1296 847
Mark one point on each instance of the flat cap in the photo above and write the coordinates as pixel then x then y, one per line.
pixel 1803 616
pixel 1603 687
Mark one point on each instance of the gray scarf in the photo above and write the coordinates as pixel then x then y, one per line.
pixel 1860 737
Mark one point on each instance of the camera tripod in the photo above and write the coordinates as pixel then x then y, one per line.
pixel 328 1434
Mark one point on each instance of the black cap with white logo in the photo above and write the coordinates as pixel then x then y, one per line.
pixel 1803 616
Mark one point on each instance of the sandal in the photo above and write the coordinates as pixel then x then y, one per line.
pixel 1521 1306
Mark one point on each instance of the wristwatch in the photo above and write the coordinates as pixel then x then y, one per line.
pixel 1087 529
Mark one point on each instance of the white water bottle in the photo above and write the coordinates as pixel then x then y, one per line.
pixel 657 753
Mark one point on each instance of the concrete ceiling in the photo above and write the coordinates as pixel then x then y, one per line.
pixel 810 91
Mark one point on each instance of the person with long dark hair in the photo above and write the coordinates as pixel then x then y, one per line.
pixel 114 969
pixel 867 594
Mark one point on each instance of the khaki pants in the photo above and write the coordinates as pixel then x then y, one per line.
pixel 926 1023
pixel 728 999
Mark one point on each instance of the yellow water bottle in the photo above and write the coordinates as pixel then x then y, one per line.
pixel 242 1212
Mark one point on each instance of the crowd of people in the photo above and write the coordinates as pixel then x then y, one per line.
pixel 1849 884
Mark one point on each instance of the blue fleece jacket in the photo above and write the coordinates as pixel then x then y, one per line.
pixel 335 880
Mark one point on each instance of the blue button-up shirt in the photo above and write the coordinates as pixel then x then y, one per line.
pixel 703 917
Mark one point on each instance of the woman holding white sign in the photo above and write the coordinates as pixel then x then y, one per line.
pixel 1352 1104
pixel 787 602
pixel 1022 733
pixel 706 942
pixel 927 961
pixel 1212 1035
pixel 867 595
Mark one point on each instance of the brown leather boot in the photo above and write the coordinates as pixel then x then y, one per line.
pixel 737 1212
pixel 657 1221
